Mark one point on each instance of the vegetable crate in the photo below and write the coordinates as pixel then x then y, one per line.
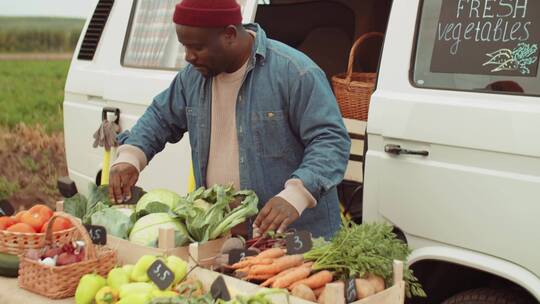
pixel 203 254
pixel 335 292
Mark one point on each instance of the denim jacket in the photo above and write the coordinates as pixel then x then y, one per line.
pixel 288 126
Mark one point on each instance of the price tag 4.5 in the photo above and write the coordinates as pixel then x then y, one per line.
pixel 160 274
pixel 236 255
pixel 98 234
pixel 299 242
pixel 350 291
pixel 219 290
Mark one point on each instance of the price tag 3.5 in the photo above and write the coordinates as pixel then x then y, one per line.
pixel 236 255
pixel 98 234
pixel 350 291
pixel 299 242
pixel 219 290
pixel 160 274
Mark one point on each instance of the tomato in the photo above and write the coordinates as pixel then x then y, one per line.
pixel 34 219
pixel 21 227
pixel 6 221
pixel 19 215
pixel 44 210
pixel 59 224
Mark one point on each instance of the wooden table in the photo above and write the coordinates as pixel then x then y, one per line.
pixel 11 293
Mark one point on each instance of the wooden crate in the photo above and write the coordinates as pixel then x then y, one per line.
pixel 128 253
pixel 395 294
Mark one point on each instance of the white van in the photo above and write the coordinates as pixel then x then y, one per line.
pixel 453 160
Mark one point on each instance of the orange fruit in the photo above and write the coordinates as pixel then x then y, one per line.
pixel 34 219
pixel 6 221
pixel 44 210
pixel 19 215
pixel 59 224
pixel 21 227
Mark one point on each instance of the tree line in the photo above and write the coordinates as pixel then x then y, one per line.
pixel 35 40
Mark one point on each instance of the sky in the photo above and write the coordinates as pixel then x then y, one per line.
pixel 57 8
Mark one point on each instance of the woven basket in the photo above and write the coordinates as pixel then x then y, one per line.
pixel 17 242
pixel 353 89
pixel 57 282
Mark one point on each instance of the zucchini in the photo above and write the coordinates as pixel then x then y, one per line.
pixel 9 265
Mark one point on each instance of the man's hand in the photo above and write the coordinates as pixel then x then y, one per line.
pixel 122 178
pixel 277 213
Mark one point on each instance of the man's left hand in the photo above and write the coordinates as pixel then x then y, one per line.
pixel 277 213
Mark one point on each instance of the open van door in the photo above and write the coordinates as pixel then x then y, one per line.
pixel 128 54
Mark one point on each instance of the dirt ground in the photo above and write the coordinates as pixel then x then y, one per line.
pixel 30 163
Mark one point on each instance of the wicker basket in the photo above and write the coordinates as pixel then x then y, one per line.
pixel 17 242
pixel 353 89
pixel 57 282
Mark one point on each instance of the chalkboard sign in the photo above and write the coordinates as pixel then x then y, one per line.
pixel 160 274
pixel 6 208
pixel 236 255
pixel 496 38
pixel 219 290
pixel 98 234
pixel 299 242
pixel 350 291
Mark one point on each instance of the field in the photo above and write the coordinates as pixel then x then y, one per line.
pixel 32 153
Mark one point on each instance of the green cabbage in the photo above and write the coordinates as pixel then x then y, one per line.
pixel 145 232
pixel 162 196
pixel 116 220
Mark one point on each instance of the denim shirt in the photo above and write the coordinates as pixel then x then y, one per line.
pixel 287 121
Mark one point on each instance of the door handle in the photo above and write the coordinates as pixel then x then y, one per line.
pixel 398 150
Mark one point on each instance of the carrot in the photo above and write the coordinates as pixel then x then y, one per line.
pixel 272 279
pixel 250 261
pixel 278 265
pixel 318 291
pixel 315 281
pixel 272 253
pixel 298 274
pixel 259 277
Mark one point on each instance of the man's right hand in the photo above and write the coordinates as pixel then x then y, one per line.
pixel 122 178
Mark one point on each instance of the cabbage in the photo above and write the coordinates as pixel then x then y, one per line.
pixel 163 196
pixel 117 221
pixel 146 230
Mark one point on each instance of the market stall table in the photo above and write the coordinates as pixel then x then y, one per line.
pixel 11 293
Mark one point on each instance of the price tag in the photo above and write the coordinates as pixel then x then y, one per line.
pixel 219 290
pixel 6 208
pixel 350 291
pixel 98 234
pixel 160 274
pixel 236 255
pixel 299 242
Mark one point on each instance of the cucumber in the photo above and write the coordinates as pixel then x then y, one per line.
pixel 9 265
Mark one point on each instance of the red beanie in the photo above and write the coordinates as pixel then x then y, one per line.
pixel 207 13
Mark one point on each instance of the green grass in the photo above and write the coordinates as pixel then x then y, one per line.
pixel 41 23
pixel 32 92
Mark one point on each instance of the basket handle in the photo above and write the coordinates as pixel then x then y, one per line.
pixel 352 54
pixel 89 248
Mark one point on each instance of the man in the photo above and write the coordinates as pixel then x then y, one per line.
pixel 260 115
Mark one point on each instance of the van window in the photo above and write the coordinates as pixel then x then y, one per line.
pixel 478 45
pixel 151 36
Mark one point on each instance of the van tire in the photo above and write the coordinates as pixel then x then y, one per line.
pixel 488 296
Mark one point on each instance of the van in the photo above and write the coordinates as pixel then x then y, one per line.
pixel 452 148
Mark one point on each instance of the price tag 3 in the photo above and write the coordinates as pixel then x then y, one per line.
pixel 236 255
pixel 299 242
pixel 98 234
pixel 350 291
pixel 219 290
pixel 6 209
pixel 160 274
